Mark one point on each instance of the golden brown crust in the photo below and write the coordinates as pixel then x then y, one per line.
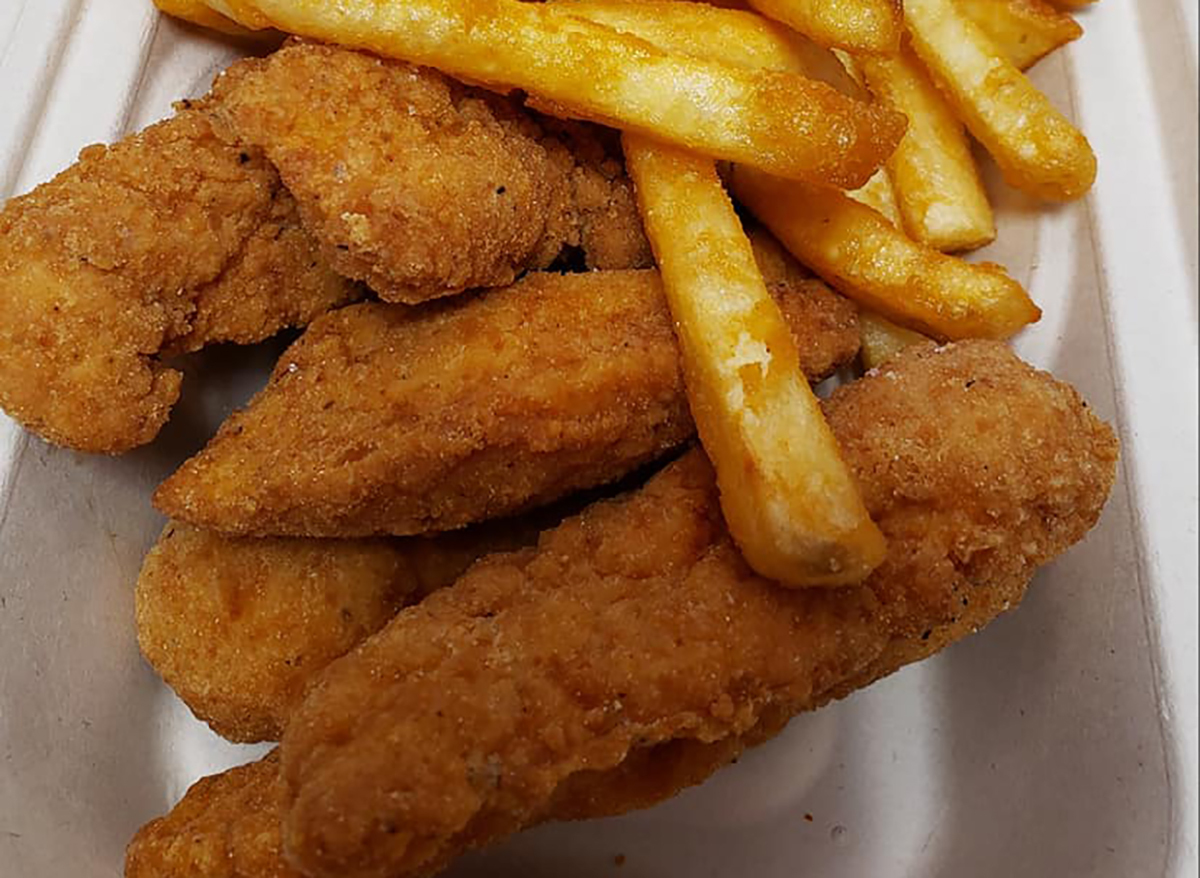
pixel 135 251
pixel 383 420
pixel 637 624
pixel 227 826
pixel 423 187
pixel 649 538
pixel 239 627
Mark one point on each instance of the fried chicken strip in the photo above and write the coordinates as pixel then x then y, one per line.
pixel 977 467
pixel 172 239
pixel 240 627
pixel 637 624
pixel 385 420
pixel 423 187
pixel 227 826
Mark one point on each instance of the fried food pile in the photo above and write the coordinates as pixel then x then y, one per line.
pixel 540 517
pixel 185 235
pixel 632 652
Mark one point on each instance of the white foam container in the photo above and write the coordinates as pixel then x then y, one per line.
pixel 1062 741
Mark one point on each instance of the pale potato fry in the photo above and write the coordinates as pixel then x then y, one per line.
pixel 781 122
pixel 1037 149
pixel 858 252
pixel 789 499
pixel 1024 30
pixel 746 39
pixel 941 199
pixel 241 11
pixel 881 338
pixel 197 12
pixel 879 193
pixel 862 25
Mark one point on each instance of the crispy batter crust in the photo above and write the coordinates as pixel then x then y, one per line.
pixel 690 608
pixel 637 624
pixel 167 241
pixel 239 627
pixel 385 420
pixel 227 826
pixel 423 187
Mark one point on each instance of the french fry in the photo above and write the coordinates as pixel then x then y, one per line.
pixel 941 199
pixel 861 25
pixel 1024 30
pixel 790 501
pixel 746 39
pixel 197 12
pixel 1037 149
pixel 861 254
pixel 1073 4
pixel 879 193
pixel 881 339
pixel 778 121
pixel 241 11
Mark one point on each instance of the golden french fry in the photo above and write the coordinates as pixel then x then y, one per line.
pixel 1024 30
pixel 879 193
pixel 197 12
pixel 241 11
pixel 881 338
pixel 778 121
pixel 1073 4
pixel 746 39
pixel 790 501
pixel 941 198
pixel 862 25
pixel 1037 149
pixel 862 255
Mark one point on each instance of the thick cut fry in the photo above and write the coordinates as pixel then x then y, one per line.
pixel 879 194
pixel 1024 30
pixel 241 11
pixel 746 39
pixel 864 256
pixel 863 25
pixel 781 122
pixel 1037 149
pixel 941 198
pixel 789 499
pixel 197 12
pixel 881 339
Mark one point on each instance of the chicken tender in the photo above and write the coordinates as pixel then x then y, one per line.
pixel 172 239
pixel 384 420
pixel 227 826
pixel 239 627
pixel 420 186
pixel 637 624
pixel 911 468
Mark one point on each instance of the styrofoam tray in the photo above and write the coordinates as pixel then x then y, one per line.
pixel 1059 742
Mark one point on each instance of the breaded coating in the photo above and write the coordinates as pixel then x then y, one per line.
pixel 606 225
pixel 637 624
pixel 630 536
pixel 418 185
pixel 386 420
pixel 239 627
pixel 167 241
pixel 227 826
